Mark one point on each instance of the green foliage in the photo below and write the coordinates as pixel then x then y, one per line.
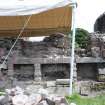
pixel 2 92
pixel 82 37
pixel 78 100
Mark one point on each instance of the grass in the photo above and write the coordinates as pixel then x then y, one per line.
pixel 2 92
pixel 78 100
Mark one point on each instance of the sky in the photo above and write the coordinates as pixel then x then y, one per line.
pixel 86 14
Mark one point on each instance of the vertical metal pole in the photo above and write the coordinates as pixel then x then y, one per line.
pixel 73 48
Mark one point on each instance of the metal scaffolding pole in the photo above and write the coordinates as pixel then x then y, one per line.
pixel 72 60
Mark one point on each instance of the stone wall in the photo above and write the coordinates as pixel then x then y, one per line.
pixel 55 45
pixel 97 45
pixel 44 68
pixel 58 68
pixel 49 60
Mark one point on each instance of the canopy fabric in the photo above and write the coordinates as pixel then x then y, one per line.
pixel 27 7
pixel 48 16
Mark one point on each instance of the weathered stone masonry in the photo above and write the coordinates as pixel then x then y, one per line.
pixel 42 66
pixel 49 60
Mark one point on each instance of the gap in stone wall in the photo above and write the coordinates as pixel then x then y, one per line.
pixel 24 72
pixel 55 71
pixel 87 71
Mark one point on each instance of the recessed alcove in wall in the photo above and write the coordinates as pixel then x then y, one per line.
pixel 24 72
pixel 55 71
pixel 87 71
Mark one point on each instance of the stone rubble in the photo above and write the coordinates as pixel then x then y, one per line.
pixel 55 45
pixel 18 96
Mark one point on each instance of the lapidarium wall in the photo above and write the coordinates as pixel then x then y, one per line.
pixel 36 63
pixel 88 73
pixel 42 68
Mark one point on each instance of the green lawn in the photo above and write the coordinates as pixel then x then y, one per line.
pixel 99 100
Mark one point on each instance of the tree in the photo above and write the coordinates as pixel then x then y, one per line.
pixel 82 38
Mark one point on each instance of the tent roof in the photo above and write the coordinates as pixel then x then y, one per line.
pixel 50 19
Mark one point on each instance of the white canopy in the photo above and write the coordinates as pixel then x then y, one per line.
pixel 27 7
